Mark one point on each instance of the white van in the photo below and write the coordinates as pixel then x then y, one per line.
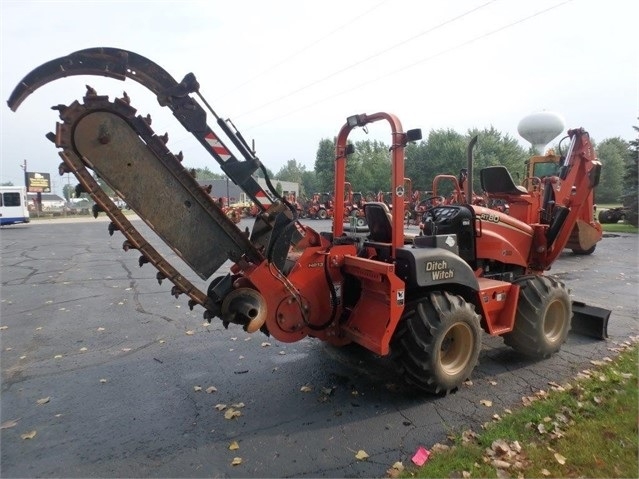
pixel 13 205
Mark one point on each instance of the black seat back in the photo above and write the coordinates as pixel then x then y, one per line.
pixel 496 180
pixel 379 221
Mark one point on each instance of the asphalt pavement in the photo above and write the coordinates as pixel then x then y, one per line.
pixel 117 378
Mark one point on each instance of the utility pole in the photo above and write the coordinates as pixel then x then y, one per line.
pixel 26 176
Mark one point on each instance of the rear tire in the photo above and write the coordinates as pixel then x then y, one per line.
pixel 437 343
pixel 543 318
pixel 322 214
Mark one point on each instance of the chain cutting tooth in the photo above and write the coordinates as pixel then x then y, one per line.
pixel 79 189
pixel 147 119
pixel 113 227
pixel 164 138
pixel 208 315
pixel 91 91
pixel 207 189
pixel 125 98
pixel 142 260
pixel 160 277
pixel 176 291
pixel 192 304
pixel 50 136
pixel 95 208
pixel 180 156
pixel 127 245
pixel 63 168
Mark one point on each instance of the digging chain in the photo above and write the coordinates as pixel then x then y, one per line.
pixel 73 162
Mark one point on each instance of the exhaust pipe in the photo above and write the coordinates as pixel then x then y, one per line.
pixel 244 306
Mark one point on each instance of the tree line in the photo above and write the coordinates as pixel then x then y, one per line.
pixel 444 152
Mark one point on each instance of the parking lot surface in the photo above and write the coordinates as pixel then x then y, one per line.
pixel 120 379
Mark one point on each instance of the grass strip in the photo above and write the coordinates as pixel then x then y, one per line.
pixel 585 428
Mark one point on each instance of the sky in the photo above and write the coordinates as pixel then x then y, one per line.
pixel 288 73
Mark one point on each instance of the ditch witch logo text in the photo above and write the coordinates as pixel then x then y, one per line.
pixel 439 270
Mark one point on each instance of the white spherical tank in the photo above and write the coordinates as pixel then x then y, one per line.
pixel 541 128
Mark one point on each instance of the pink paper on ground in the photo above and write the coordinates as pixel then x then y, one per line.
pixel 421 456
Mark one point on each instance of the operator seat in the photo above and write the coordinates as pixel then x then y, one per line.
pixel 380 222
pixel 496 180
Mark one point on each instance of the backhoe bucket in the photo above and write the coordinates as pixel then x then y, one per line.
pixel 590 320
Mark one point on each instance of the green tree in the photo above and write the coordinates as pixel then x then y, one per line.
pixel 7 183
pixel 206 174
pixel 260 174
pixel 292 171
pixel 68 192
pixel 309 184
pixel 612 153
pixel 493 148
pixel 631 180
pixel 368 169
pixel 414 166
pixel 325 165
pixel 444 153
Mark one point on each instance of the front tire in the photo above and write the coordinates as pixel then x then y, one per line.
pixel 543 318
pixel 437 343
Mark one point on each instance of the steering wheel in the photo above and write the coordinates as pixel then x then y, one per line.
pixel 429 202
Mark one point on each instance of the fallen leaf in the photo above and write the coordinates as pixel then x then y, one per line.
pixel 499 464
pixel 126 350
pixel 211 389
pixel 28 435
pixel 265 344
pixel 100 329
pixel 197 388
pixel 306 389
pixel 9 423
pixel 103 380
pixel 361 455
pixel 82 350
pixel 238 405
pixel 236 461
pixel 57 356
pixel 282 352
pixel 233 446
pixel 545 472
pixel 2 328
pixel 39 328
pixel 43 400
pixel 395 470
pixel 232 413
pixel 560 459
pixel 190 333
pixel 486 402
pixel 220 407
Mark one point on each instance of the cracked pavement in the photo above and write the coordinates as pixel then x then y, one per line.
pixel 119 358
